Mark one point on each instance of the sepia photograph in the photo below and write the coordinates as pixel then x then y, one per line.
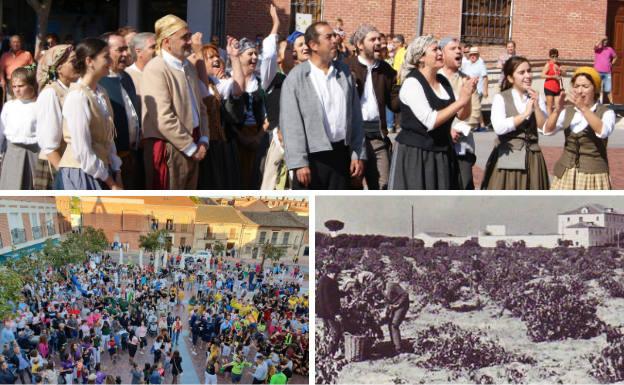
pixel 483 290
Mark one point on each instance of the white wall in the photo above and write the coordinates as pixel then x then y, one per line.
pixel 548 241
pixel 496 229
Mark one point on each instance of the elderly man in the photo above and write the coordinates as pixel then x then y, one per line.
pixel 175 121
pixel 376 85
pixel 142 49
pixel 13 59
pixel 127 111
pixel 321 118
pixel 461 130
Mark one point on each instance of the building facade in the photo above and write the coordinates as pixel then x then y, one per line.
pixel 590 225
pixel 280 228
pixel 125 219
pixel 26 223
pixel 225 226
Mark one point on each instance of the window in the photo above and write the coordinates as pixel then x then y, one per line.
pixel 486 21
pixel 169 226
pixel 182 241
pixel 274 237
pixel 37 231
pixel 262 237
pixel 306 7
pixel 184 228
pixel 285 239
pixel 154 224
pixel 50 229
pixel 16 225
pixel 568 219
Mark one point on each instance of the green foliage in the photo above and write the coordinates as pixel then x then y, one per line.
pixel 154 240
pixel 11 284
pixel 75 247
pixel 218 247
pixel 26 266
pixel 272 252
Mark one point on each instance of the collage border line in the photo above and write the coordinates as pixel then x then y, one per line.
pixel 311 196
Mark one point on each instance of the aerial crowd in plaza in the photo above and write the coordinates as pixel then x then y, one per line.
pixel 101 322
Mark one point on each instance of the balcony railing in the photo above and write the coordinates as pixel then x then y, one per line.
pixel 18 236
pixel 37 232
pixel 51 230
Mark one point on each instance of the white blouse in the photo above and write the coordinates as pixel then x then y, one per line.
pixel 18 122
pixel 268 65
pixel 579 123
pixel 49 120
pixel 500 121
pixel 78 116
pixel 224 86
pixel 413 95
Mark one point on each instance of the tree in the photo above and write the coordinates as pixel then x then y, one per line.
pixel 75 247
pixel 274 253
pixel 218 248
pixel 42 9
pixel 154 240
pixel 95 240
pixel 26 265
pixel 334 226
pixel 11 285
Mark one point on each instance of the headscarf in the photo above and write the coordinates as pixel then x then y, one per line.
pixel 593 74
pixel 47 71
pixel 165 27
pixel 414 52
pixel 246 44
pixel 293 37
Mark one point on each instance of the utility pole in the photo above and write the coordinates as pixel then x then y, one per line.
pixel 412 222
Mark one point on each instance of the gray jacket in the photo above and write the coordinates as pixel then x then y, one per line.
pixel 301 117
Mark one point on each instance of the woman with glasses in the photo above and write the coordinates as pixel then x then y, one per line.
pixel 553 75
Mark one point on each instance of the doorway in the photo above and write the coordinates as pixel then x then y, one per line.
pixel 615 32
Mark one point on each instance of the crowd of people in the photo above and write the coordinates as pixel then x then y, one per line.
pixel 83 323
pixel 312 110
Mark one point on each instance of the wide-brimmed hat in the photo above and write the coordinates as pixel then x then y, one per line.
pixel 473 51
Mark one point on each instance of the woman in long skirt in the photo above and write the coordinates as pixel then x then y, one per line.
pixel 18 125
pixel 424 158
pixel 517 163
pixel 90 161
pixel 587 125
pixel 55 74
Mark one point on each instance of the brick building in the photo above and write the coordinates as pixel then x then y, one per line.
pixel 26 223
pixel 572 26
pixel 125 219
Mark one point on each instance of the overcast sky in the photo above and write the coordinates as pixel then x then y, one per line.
pixel 390 215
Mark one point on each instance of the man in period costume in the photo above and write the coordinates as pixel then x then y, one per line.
pixel 175 121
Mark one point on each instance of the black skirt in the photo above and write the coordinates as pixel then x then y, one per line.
pixel 416 169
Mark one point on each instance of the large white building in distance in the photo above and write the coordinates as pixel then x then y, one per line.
pixel 590 225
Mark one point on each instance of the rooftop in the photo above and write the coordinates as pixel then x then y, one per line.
pixel 220 214
pixel 593 208
pixel 277 219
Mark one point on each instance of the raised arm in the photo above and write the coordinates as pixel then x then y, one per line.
pixel 268 66
pixel 233 50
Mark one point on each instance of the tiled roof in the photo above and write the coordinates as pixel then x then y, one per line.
pixel 277 219
pixel 592 208
pixel 220 214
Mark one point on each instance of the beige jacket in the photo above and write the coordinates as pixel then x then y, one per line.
pixel 167 110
